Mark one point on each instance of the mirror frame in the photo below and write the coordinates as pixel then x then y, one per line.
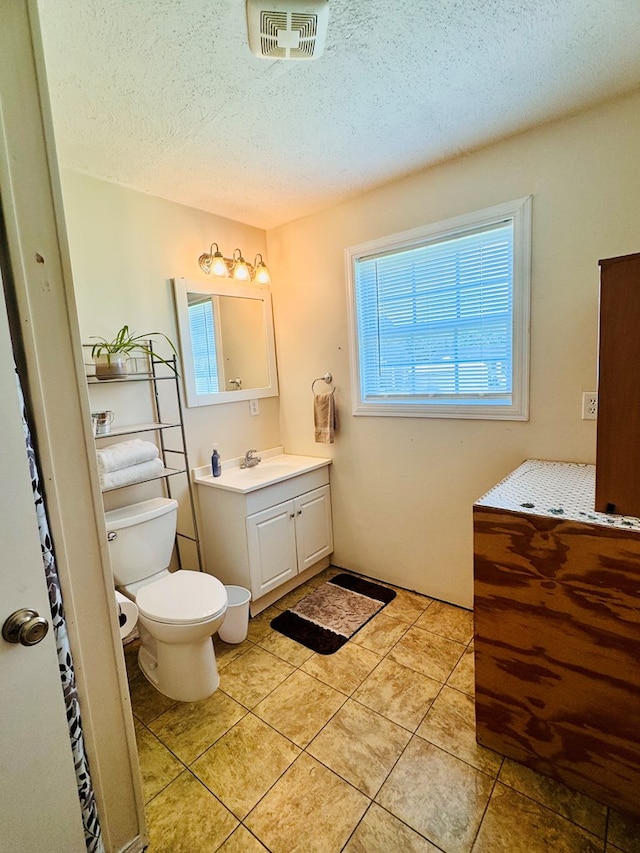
pixel 219 287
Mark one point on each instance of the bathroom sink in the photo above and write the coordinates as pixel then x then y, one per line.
pixel 274 468
pixel 269 470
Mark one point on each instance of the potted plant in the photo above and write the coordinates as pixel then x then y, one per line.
pixel 110 357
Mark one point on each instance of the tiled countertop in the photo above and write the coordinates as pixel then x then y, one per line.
pixel 554 489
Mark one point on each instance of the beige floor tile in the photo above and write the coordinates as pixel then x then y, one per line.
pixel 380 634
pixel 188 728
pixel 407 606
pixel 300 707
pixel 463 676
pixel 430 654
pixel 438 795
pixel 398 693
pixel 309 810
pixel 158 766
pixel 360 745
pixel 624 832
pixel 326 575
pixel 345 670
pixel 147 703
pixel 454 623
pixel 284 648
pixel 241 767
pixel 516 824
pixel 255 674
pixel 571 804
pixel 451 725
pixel 381 832
pixel 260 625
pixel 296 594
pixel 241 841
pixel 435 788
pixel 228 652
pixel 186 818
pixel 130 652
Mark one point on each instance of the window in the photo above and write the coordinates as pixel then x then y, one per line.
pixel 203 342
pixel 440 318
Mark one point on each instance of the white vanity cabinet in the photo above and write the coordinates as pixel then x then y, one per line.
pixel 286 539
pixel 267 538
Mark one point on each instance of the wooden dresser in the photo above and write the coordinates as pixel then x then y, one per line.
pixel 557 631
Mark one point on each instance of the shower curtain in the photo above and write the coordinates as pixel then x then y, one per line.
pixel 86 794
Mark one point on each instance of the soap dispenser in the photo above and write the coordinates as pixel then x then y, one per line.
pixel 216 465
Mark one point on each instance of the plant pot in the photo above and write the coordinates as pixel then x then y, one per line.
pixel 111 366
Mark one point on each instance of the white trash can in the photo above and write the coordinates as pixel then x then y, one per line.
pixel 236 620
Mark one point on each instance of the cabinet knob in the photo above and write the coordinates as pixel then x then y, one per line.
pixel 292 515
pixel 299 512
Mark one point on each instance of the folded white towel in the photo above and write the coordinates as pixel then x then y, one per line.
pixel 132 474
pixel 114 457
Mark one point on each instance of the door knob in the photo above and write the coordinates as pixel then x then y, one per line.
pixel 25 627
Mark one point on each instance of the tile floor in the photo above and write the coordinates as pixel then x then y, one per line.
pixel 369 750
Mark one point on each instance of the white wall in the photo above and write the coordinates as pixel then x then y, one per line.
pixel 125 249
pixel 403 488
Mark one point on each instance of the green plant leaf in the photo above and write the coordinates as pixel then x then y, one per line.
pixel 127 341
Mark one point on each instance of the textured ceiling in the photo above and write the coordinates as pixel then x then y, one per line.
pixel 165 97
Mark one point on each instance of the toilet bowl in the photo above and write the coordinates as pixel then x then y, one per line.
pixel 178 611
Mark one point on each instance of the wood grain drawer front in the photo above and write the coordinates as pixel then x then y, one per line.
pixel 557 645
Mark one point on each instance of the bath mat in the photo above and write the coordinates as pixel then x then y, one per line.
pixel 329 616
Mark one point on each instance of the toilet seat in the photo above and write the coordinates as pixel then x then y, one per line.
pixel 182 597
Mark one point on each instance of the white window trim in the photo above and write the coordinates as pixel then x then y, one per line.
pixel 519 212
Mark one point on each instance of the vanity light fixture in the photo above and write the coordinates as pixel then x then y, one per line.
pixel 214 263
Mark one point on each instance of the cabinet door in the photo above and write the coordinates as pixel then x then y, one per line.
pixel 314 534
pixel 271 536
pixel 618 450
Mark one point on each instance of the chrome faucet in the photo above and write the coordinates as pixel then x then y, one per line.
pixel 250 461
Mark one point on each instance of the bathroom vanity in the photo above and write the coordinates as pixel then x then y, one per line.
pixel 266 528
pixel 557 631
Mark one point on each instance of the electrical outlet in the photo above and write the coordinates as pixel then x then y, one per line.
pixel 589 405
pixel 254 407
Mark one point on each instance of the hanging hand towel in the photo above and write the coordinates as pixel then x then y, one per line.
pixel 325 417
pixel 131 475
pixel 114 457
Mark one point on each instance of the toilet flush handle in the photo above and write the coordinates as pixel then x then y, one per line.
pixel 111 535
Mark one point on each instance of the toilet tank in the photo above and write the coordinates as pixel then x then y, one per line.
pixel 141 538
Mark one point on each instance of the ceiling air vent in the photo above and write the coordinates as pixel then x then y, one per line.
pixel 287 29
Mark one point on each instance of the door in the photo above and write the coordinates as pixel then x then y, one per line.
pixel 271 536
pixel 39 801
pixel 35 263
pixel 314 534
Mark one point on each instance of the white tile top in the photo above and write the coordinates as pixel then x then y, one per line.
pixel 556 490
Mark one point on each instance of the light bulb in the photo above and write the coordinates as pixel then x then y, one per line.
pixel 262 274
pixel 241 271
pixel 218 266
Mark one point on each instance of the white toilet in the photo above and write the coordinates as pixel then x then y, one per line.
pixel 178 612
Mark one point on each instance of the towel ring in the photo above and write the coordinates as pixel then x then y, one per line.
pixel 326 377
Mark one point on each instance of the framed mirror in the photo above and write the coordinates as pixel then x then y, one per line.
pixel 226 341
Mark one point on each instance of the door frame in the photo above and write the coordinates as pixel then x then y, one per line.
pixel 46 334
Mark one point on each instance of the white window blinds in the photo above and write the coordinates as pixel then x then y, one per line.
pixel 205 362
pixel 440 322
pixel 437 320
